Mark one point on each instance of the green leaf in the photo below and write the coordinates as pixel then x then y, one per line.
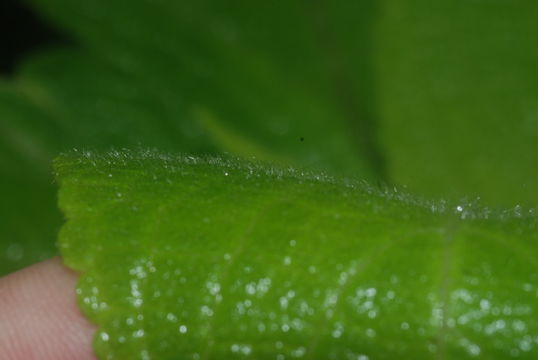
pixel 437 96
pixel 198 71
pixel 450 86
pixel 211 258
pixel 457 97
pixel 26 146
pixel 261 80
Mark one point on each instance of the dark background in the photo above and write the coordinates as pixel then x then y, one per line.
pixel 22 32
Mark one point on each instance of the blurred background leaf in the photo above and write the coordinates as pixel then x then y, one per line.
pixel 440 97
pixel 457 89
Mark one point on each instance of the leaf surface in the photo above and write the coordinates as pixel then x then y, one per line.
pixel 211 258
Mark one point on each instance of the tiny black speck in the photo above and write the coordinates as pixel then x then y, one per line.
pixel 302 138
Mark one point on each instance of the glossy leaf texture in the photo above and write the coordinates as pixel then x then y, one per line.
pixel 217 258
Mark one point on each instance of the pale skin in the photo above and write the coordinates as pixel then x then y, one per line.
pixel 39 317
